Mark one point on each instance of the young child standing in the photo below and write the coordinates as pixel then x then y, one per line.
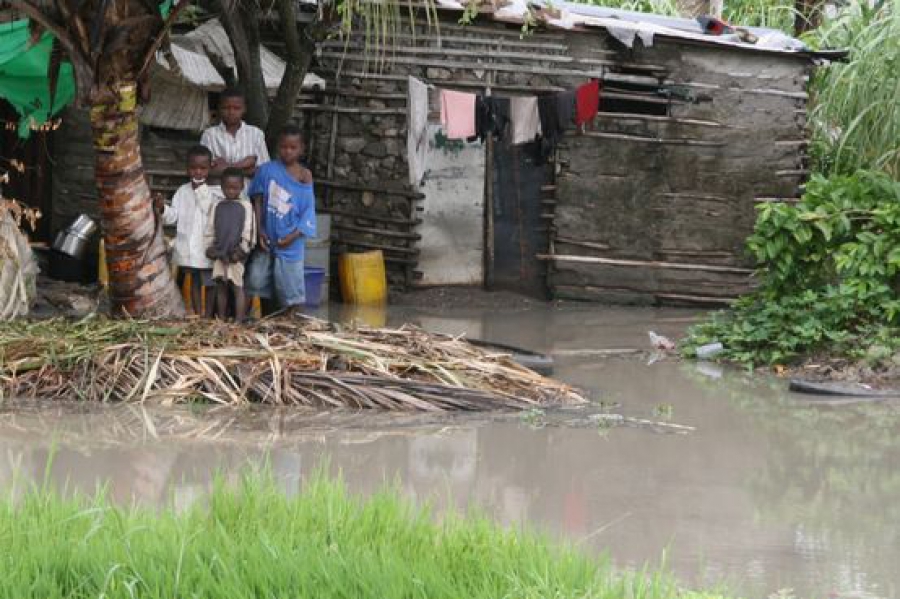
pixel 234 143
pixel 282 193
pixel 230 235
pixel 189 212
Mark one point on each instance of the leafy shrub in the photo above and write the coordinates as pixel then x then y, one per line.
pixel 827 272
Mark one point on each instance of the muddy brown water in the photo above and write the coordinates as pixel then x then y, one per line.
pixel 771 491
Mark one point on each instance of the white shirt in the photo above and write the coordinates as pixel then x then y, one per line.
pixel 246 141
pixel 190 212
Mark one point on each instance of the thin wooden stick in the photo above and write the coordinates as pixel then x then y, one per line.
pixel 644 263
pixel 379 232
pixel 413 195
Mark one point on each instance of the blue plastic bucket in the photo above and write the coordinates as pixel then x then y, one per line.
pixel 313 278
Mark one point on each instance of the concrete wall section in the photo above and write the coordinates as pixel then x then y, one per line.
pixel 657 208
pixel 453 217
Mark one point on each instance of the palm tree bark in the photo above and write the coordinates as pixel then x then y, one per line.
pixel 140 281
pixel 111 44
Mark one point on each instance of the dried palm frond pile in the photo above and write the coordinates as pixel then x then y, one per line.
pixel 291 361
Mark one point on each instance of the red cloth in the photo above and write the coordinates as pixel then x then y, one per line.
pixel 587 102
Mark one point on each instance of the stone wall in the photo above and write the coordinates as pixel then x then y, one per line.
pixel 367 186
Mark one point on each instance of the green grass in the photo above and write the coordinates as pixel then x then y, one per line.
pixel 253 541
pixel 856 114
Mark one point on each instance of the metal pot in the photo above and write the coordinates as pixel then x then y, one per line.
pixel 74 240
pixel 71 244
pixel 83 226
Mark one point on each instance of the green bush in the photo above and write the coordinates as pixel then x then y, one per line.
pixel 827 274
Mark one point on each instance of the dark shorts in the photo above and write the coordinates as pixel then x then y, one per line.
pixel 205 275
pixel 269 276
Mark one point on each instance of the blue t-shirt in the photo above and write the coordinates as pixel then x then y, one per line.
pixel 287 206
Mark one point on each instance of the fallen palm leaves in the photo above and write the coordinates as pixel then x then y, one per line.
pixel 295 361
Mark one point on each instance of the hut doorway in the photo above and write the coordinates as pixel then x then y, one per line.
pixel 520 232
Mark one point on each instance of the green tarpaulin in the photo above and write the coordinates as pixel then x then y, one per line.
pixel 23 76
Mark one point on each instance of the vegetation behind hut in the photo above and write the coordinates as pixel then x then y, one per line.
pixel 828 265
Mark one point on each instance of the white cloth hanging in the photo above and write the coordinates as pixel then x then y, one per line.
pixel 18 270
pixel 416 129
pixel 525 119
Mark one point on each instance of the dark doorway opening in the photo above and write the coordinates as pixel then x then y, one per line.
pixel 520 181
pixel 30 186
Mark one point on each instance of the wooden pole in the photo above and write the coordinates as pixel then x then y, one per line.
pixel 489 202
pixel 644 263
pixel 332 144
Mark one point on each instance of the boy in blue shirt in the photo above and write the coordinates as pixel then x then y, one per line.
pixel 282 194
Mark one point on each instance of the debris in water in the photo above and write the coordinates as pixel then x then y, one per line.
pixel 661 343
pixel 709 351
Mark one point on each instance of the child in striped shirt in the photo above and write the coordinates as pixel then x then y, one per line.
pixel 234 143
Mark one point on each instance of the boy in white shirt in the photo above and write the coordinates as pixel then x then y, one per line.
pixel 192 207
pixel 234 143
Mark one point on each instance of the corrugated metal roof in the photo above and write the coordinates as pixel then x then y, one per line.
pixel 193 67
pixel 212 39
pixel 627 25
pixel 179 93
pixel 175 104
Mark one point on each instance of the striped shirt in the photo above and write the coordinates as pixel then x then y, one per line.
pixel 246 141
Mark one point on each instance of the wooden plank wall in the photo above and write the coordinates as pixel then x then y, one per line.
pixel 656 209
pixel 654 200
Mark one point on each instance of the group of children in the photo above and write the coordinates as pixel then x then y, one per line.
pixel 223 240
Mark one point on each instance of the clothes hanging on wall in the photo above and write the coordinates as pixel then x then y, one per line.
pixel 458 114
pixel 549 123
pixel 491 117
pixel 526 121
pixel 587 102
pixel 416 129
pixel 565 109
pixel 550 130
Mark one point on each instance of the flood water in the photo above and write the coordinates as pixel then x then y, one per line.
pixel 771 491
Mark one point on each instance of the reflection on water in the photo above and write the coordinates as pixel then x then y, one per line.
pixel 771 491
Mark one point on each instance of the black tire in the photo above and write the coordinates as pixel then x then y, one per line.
pixel 837 389
pixel 538 362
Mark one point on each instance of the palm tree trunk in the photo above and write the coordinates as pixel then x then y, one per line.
pixel 140 282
